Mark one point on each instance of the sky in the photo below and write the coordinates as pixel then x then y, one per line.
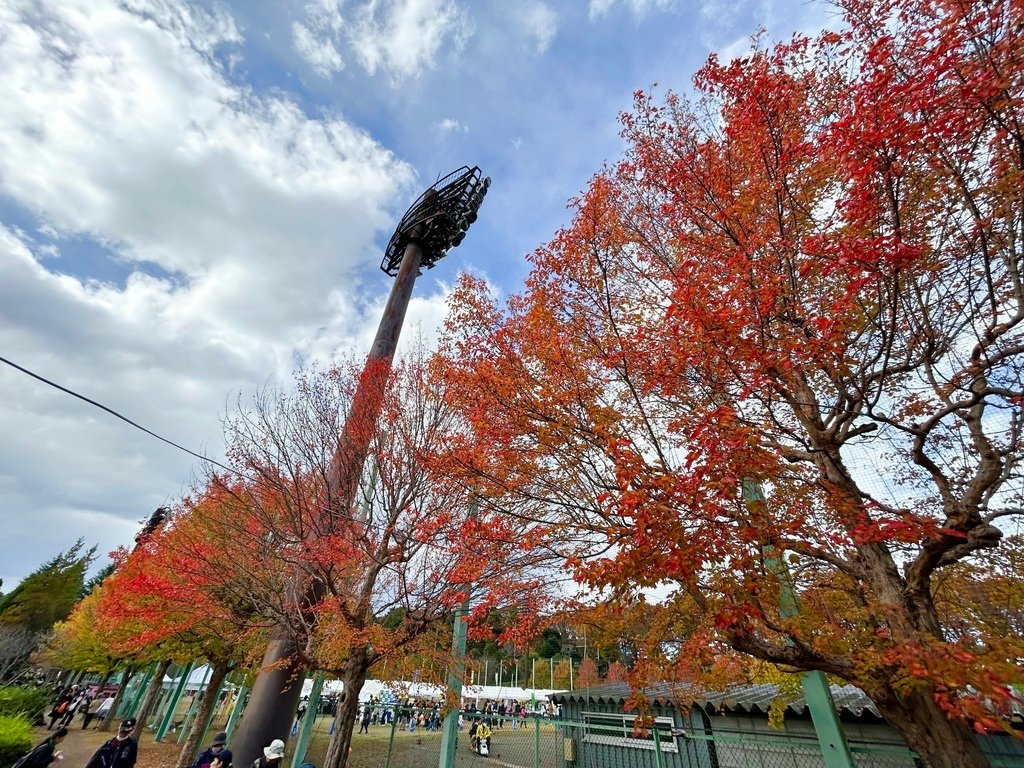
pixel 195 196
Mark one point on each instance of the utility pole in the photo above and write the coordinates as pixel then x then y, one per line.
pixel 434 224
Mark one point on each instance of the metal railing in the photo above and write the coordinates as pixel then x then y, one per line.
pixel 395 737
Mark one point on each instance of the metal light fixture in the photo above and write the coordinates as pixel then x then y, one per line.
pixel 439 218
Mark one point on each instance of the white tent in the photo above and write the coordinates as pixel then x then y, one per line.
pixel 506 693
pixel 197 679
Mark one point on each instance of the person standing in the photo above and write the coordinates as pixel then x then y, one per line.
pixel 104 711
pixel 120 752
pixel 92 711
pixel 364 722
pixel 60 708
pixel 216 750
pixel 273 754
pixel 79 704
pixel 45 752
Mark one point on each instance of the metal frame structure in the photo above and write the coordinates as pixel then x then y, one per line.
pixel 439 218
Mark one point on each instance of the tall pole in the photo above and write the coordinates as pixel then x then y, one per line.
pixel 829 730
pixel 434 224
pixel 278 686
pixel 173 704
pixel 456 672
pixel 308 721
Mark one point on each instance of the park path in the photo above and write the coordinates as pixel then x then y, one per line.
pixel 80 745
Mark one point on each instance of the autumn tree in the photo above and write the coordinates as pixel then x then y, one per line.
pixel 357 585
pixel 80 643
pixel 586 675
pixel 785 332
pixel 175 595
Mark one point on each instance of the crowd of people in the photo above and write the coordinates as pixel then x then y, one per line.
pixel 91 705
pixel 122 750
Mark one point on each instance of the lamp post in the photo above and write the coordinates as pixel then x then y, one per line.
pixel 433 225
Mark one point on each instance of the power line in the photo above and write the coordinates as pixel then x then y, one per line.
pixel 114 413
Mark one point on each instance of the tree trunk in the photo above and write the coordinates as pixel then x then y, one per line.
pixel 345 715
pixel 126 678
pixel 939 741
pixel 271 708
pixel 191 747
pixel 152 694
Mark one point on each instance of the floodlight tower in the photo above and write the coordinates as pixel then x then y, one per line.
pixel 433 225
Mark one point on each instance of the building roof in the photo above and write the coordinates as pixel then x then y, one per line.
pixel 746 698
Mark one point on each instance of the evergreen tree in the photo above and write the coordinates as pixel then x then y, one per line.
pixel 47 595
pixel 96 580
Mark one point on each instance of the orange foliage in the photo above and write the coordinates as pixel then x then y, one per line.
pixel 814 263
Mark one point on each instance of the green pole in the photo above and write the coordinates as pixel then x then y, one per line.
pixel 128 708
pixel 193 710
pixel 391 739
pixel 308 721
pixel 456 672
pixel 236 711
pixel 156 715
pixel 659 757
pixel 173 704
pixel 824 716
pixel 213 709
pixel 536 740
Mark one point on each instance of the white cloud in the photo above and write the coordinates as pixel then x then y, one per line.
pixel 450 125
pixel 321 54
pixel 539 21
pixel 401 38
pixel 121 130
pixel 639 8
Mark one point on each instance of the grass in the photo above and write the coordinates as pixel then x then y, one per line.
pixel 421 749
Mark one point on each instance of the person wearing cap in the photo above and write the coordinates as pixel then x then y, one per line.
pixel 273 754
pixel 120 752
pixel 216 751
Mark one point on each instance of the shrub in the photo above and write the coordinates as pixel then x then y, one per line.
pixel 26 702
pixel 15 739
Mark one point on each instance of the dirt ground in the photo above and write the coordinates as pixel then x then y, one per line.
pixel 80 745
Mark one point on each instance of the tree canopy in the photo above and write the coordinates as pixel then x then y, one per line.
pixel 48 594
pixel 785 332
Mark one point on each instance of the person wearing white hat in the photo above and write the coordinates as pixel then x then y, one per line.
pixel 273 754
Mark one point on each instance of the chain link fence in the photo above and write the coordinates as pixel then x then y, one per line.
pixel 398 737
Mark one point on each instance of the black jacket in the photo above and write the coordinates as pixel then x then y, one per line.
pixel 115 754
pixel 41 756
pixel 206 757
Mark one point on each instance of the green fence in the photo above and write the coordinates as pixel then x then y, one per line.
pixel 390 742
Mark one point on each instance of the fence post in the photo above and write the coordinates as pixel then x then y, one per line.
pixel 308 721
pixel 456 672
pixel 831 737
pixel 197 701
pixel 128 707
pixel 236 711
pixel 173 704
pixel 391 739
pixel 659 758
pixel 536 741
pixel 213 708
pixel 156 715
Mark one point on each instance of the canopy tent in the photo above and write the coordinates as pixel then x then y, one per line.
pixel 196 681
pixel 392 691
